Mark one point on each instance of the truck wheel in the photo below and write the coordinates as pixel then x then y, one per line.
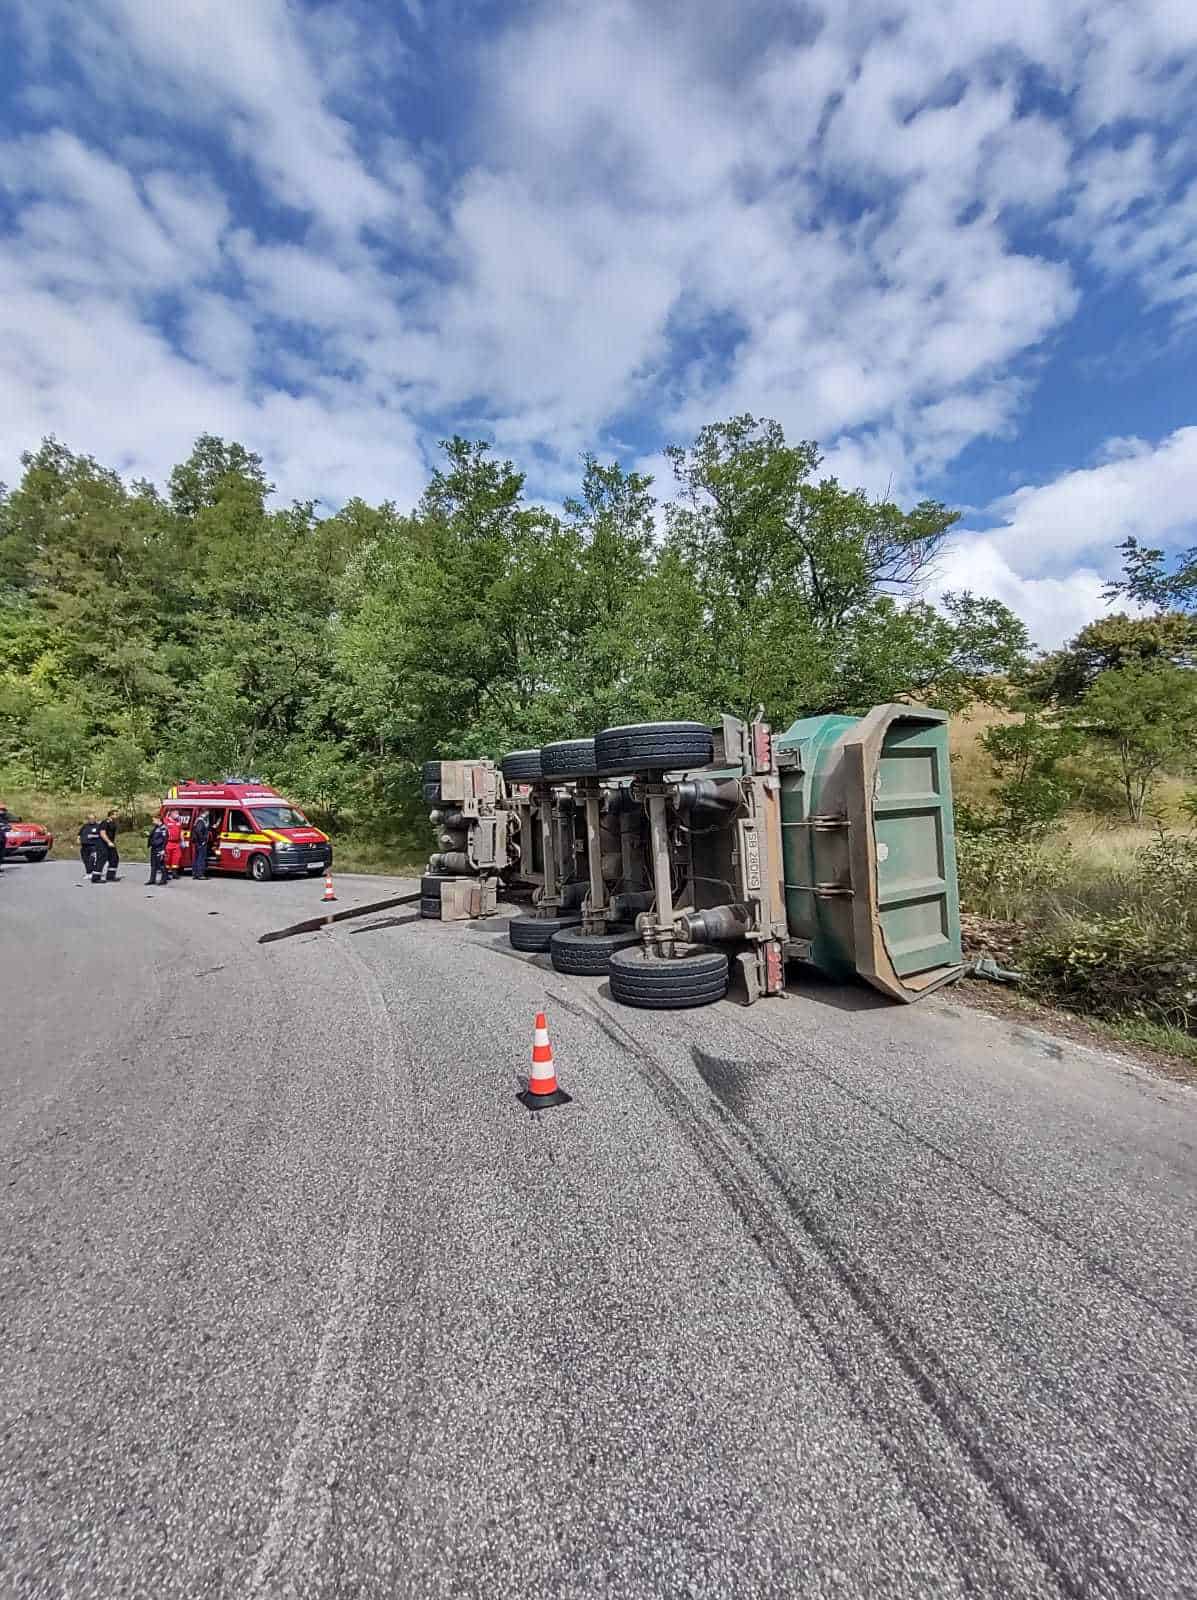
pixel 522 766
pixel 653 747
pixel 430 907
pixel 657 984
pixel 430 885
pixel 432 794
pixel 588 955
pixel 536 933
pixel 431 772
pixel 260 869
pixel 568 758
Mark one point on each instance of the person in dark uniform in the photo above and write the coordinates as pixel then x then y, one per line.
pixel 3 834
pixel 91 847
pixel 112 857
pixel 157 843
pixel 199 845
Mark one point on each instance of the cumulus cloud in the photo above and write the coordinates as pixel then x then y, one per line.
pixel 1140 490
pixel 636 218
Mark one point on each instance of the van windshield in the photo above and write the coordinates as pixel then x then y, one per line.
pixel 279 817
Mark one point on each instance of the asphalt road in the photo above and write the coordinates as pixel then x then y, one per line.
pixel 828 1297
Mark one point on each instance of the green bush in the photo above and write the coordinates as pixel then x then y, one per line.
pixel 1008 878
pixel 1116 966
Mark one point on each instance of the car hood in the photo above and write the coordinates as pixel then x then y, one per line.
pixel 27 830
pixel 298 835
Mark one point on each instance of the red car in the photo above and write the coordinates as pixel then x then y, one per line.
pixel 28 839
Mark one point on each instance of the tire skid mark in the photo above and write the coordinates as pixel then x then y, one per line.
pixel 935 1384
pixel 304 1505
pixel 980 1546
pixel 1095 1268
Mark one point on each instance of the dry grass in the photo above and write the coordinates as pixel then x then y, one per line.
pixel 972 771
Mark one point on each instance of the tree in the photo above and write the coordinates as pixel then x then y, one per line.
pixel 1026 755
pixel 1146 715
pixel 1147 580
pixel 810 591
pixel 1063 676
pixel 56 739
pixel 121 769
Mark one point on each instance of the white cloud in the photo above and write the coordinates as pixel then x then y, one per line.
pixel 643 211
pixel 1146 492
pixel 1053 608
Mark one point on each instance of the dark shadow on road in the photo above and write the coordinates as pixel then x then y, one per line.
pixel 387 922
pixel 804 983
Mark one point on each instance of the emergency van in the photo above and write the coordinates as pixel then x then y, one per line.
pixel 252 830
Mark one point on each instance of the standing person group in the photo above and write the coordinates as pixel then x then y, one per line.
pixel 97 847
pixel 101 858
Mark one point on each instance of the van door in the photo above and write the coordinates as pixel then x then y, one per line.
pixel 235 842
pixel 185 814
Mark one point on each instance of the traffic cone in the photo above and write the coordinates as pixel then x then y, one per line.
pixel 328 888
pixel 542 1090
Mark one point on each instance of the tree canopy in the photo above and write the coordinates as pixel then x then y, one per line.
pixel 148 635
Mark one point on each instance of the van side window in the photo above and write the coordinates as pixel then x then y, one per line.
pixel 240 823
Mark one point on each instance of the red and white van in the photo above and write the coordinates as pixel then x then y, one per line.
pixel 252 830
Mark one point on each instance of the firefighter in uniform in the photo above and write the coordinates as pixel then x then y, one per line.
pixel 199 844
pixel 91 847
pixel 112 857
pixel 174 845
pixel 157 843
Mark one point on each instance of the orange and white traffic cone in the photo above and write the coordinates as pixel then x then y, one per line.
pixel 328 888
pixel 542 1090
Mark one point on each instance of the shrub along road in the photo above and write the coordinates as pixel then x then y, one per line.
pixel 826 1297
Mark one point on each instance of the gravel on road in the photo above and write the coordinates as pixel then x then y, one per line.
pixel 824 1297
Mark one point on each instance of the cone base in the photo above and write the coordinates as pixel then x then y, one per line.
pixel 543 1102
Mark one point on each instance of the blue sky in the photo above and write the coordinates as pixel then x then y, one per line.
pixel 956 244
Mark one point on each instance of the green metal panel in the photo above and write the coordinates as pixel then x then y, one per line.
pixel 815 853
pixel 869 846
pixel 917 895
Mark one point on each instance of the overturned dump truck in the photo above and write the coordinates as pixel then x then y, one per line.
pixel 669 850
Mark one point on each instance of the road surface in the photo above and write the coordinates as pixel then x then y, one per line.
pixel 828 1297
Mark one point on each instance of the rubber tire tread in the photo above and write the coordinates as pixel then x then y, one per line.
pixel 693 980
pixel 536 933
pixel 430 908
pixel 588 955
pixel 568 758
pixel 430 885
pixel 653 747
pixel 431 772
pixel 522 766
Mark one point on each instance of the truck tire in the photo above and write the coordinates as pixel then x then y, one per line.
pixel 430 907
pixel 431 772
pixel 653 747
pixel 588 955
pixel 432 794
pixel 259 867
pixel 522 766
pixel 430 885
pixel 568 758
pixel 654 984
pixel 536 933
